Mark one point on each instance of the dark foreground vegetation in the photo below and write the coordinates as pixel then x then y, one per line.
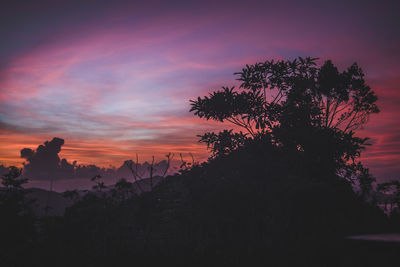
pixel 285 192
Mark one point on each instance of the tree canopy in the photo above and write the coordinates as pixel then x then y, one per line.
pixel 269 90
pixel 300 107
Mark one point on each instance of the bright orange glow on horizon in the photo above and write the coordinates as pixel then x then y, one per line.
pixel 119 81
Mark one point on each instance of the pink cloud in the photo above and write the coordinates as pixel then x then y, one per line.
pixel 119 82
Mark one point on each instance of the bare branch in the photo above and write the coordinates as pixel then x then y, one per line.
pixel 169 158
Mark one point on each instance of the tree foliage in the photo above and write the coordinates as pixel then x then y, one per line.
pixel 300 106
pixel 13 178
pixel 270 90
pixel 17 228
pixel 224 142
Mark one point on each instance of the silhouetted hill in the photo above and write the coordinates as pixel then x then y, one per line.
pixel 47 203
pixel 259 205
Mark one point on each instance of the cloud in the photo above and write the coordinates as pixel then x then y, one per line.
pixel 44 163
pixel 115 78
pixel 3 169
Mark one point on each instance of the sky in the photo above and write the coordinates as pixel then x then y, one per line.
pixel 114 78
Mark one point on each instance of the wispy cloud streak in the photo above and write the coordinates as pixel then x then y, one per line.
pixel 116 80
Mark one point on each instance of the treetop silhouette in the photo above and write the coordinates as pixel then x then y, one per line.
pixel 298 106
pixel 269 89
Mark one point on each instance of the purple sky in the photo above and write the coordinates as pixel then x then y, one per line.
pixel 114 78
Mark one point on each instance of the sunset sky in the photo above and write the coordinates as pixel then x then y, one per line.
pixel 114 78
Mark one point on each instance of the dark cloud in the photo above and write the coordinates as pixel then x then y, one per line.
pixel 3 169
pixel 27 153
pixel 44 163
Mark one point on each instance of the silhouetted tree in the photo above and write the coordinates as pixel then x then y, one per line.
pixel 17 224
pixel 13 179
pixel 391 189
pixel 99 184
pixel 224 142
pixel 152 168
pixel 300 106
pixel 335 99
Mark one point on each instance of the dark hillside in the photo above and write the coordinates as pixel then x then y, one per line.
pixel 257 205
